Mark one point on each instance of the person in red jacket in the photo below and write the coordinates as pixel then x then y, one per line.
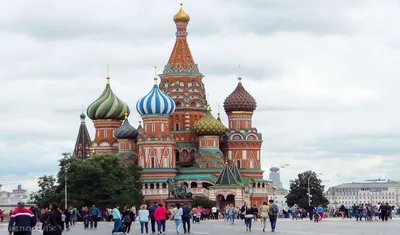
pixel 22 221
pixel 160 215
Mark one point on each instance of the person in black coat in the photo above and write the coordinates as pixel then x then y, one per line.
pixel 52 223
pixel 128 216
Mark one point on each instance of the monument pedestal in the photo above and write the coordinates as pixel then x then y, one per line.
pixel 171 202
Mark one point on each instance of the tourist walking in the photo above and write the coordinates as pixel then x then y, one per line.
pixel 160 215
pixel 85 217
pixel 248 217
pixel 273 211
pixel 94 214
pixel 51 220
pixel 117 220
pixel 264 215
pixel 152 209
pixel 231 214
pixel 186 218
pixel 144 215
pixel 22 221
pixel 177 213
pixel 127 217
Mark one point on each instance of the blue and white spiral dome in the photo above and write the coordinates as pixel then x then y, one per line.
pixel 155 102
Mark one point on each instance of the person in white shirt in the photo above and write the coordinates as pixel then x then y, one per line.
pixel 144 215
pixel 177 213
pixel 214 211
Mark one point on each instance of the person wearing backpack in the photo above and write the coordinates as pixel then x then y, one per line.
pixel 273 211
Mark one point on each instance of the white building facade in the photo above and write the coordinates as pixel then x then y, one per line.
pixel 12 198
pixel 279 197
pixel 362 193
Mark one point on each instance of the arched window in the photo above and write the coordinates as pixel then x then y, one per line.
pixel 157 186
pixel 193 104
pixel 177 155
pixel 146 186
pixel 178 104
pixel 151 186
pixel 251 163
pixel 185 183
pixel 193 185
pixel 164 185
pixel 238 164
pixel 177 126
pixel 153 162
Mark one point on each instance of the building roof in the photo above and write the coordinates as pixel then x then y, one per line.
pixel 236 173
pixel 181 60
pixel 227 178
pixel 83 141
pixel 240 100
pixel 365 185
pixel 155 102
pixel 210 177
pixel 208 125
pixel 126 130
pixel 107 106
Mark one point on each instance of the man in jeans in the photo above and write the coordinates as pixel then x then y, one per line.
pixel 94 214
pixel 272 216
pixel 186 217
pixel 152 209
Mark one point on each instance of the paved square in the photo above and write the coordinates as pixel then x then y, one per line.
pixel 284 226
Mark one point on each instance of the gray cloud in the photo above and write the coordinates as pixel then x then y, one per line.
pixel 323 73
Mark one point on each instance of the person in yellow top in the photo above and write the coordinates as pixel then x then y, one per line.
pixel 263 210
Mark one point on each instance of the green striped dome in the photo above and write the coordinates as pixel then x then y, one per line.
pixel 107 106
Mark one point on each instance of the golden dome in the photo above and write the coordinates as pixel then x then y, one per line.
pixel 181 16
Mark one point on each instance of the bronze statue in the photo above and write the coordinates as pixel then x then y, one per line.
pixel 177 189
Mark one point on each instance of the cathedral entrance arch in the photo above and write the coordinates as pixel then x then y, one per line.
pixel 223 201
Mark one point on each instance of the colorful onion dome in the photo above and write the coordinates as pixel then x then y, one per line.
pixel 126 131
pixel 240 100
pixel 181 16
pixel 208 125
pixel 155 102
pixel 107 106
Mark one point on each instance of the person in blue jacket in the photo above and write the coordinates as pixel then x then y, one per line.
pixel 94 214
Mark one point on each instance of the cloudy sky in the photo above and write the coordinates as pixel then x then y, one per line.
pixel 324 74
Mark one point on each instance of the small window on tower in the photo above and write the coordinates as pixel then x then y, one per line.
pixel 238 164
pixel 177 126
pixel 153 162
pixel 178 104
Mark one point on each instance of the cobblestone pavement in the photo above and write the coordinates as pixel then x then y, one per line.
pixel 299 227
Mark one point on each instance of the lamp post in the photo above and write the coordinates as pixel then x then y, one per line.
pixel 66 157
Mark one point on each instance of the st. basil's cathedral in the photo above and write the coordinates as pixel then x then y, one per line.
pixel 179 137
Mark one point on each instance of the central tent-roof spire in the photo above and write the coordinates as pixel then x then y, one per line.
pixel 181 60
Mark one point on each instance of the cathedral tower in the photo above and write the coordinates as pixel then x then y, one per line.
pixel 107 113
pixel 156 143
pixel 83 142
pixel 242 143
pixel 182 81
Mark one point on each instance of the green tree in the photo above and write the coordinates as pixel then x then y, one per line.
pixel 299 189
pixel 48 191
pixel 203 202
pixel 102 180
